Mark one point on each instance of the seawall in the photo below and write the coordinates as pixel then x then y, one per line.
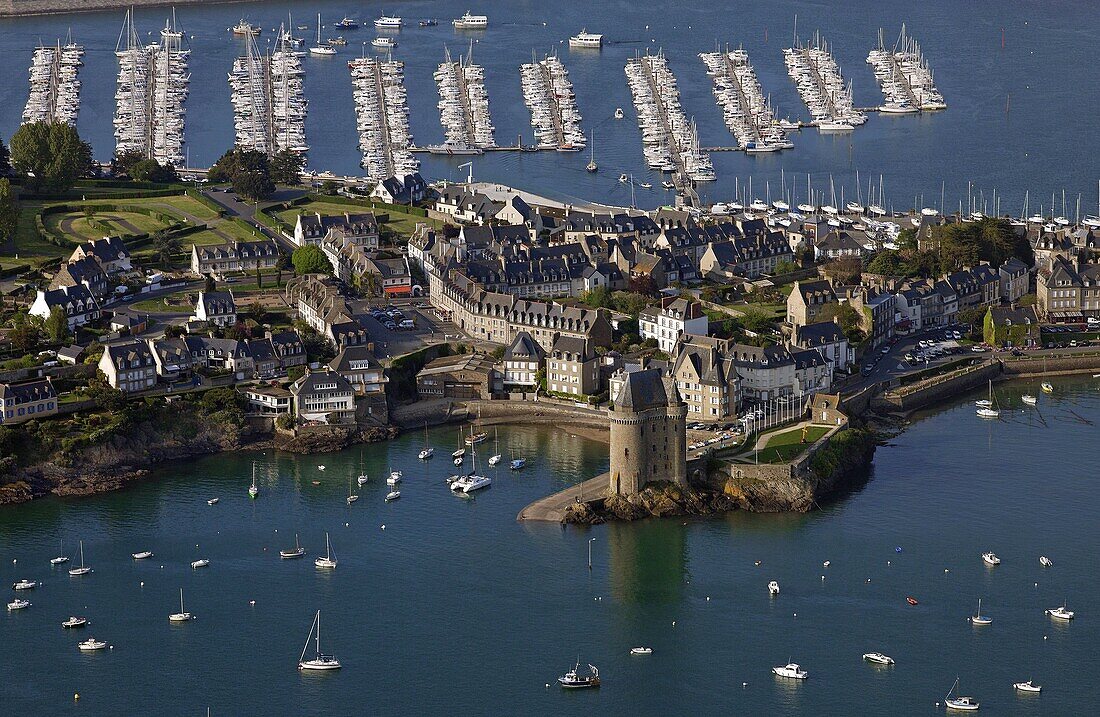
pixel 18 8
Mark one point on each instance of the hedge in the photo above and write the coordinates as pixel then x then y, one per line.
pixel 206 201
pixel 14 270
pixel 365 203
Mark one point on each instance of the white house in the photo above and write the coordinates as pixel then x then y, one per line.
pixel 216 308
pixel 78 303
pixel 129 366
pixel 672 319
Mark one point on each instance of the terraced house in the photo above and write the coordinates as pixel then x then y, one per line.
pixel 1069 291
pixel 671 319
pixel 217 259
pixel 358 229
pixel 26 400
pixel 78 303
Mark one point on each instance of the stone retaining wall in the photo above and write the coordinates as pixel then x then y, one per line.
pixel 924 393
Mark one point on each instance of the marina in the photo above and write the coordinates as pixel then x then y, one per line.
pixel 153 85
pixel 670 142
pixel 269 105
pixel 904 77
pixel 382 118
pixel 55 84
pixel 463 106
pixel 821 86
pixel 747 111
pixel 548 93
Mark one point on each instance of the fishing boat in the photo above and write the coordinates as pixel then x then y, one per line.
pixel 182 615
pixel 329 560
pixel 74 622
pixel 388 22
pixel 978 618
pixel 911 600
pixel 91 645
pixel 573 680
pixel 878 658
pixel 253 490
pixel 383 43
pixel 641 651
pixel 1047 387
pixel 791 671
pixel 83 569
pixel 985 409
pixel 1045 561
pixel 61 557
pixel 1029 399
pixel 1060 613
pixel 200 563
pixel 991 558
pixel 773 588
pixel 393 495
pixel 965 704
pixel 495 458
pixel 320 660
pixel 244 28
pixel 320 49
pixel 24 584
pixel 296 552
pixel 427 452
pixel 18 604
pixel 143 555
pixel 1027 686
pixel 213 501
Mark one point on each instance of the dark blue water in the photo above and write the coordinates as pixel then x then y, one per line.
pixel 455 608
pixel 1017 118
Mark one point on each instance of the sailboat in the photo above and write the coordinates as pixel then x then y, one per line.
pixel 495 458
pixel 253 490
pixel 82 570
pixel 319 49
pixel 461 451
pixel 517 463
pixel 320 660
pixel 965 704
pixel 352 497
pixel 296 552
pixel 428 451
pixel 978 618
pixel 329 561
pixel 363 477
pixel 592 166
pixel 61 557
pixel 988 411
pixel 182 615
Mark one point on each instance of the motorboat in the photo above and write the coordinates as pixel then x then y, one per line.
pixel 91 645
pixel 791 671
pixel 574 680
pixel 388 22
pixel 213 501
pixel 911 600
pixel 430 22
pixel 991 558
pixel 1060 613
pixel 246 28
pixel 320 660
pixel 296 552
pixel 329 560
pixel 1045 561
pixel 773 588
pixel 394 479
pixel 471 22
pixel 200 563
pixel 878 658
pixel 18 604
pixel 83 569
pixel 623 179
pixel 619 114
pixel 586 40
pixel 1029 399
pixel 352 498
pixel 74 622
pixel 958 702
pixel 1027 686
pixel 383 43
pixel 641 651
pixel 347 24
pixel 518 464
pixel 459 453
pixel 1047 387
pixel 182 615
pixel 393 495
pixel 426 454
pixel 143 555
pixel 24 584
pixel 494 459
pixel 978 618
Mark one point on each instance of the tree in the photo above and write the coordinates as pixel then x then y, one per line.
pixel 309 259
pixel 5 158
pixel 888 263
pixel 844 270
pixel 328 187
pixel 283 263
pixel 643 285
pixel 629 303
pixel 286 167
pixel 172 331
pixel 209 284
pixel 785 267
pixel 9 212
pixel 150 170
pixel 756 320
pixel 254 184
pixel 597 298
pixel 165 245
pixel 847 317
pixel 122 162
pixel 247 170
pixel 24 333
pixel 57 325
pixel 256 312
pixel 50 156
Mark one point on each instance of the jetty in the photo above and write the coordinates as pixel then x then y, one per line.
pixel 463 107
pixel 747 111
pixel 55 85
pixel 821 86
pixel 903 74
pixel 552 508
pixel 269 105
pixel 548 94
pixel 382 118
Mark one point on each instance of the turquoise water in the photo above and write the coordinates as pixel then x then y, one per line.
pixel 1044 77
pixel 454 608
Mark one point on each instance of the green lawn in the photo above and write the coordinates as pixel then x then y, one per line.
pixel 784 446
pixel 177 302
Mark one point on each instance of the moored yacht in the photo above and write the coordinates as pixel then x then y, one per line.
pixel 991 558
pixel 878 658
pixel 1027 686
pixel 296 552
pixel 978 618
pixel 182 615
pixel 585 39
pixel 574 680
pixel 83 569
pixel 388 22
pixel 791 671
pixel 471 22
pixel 773 588
pixel 1045 561
pixel 24 584
pixel 143 555
pixel 18 604
pixel 74 622
pixel 383 43
pixel 91 645
pixel 328 561
pixel 320 660
pixel 965 704
pixel 1060 613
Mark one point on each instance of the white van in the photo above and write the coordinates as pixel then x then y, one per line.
pixel 406 325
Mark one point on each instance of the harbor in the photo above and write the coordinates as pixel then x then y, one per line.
pixel 153 85
pixel 548 93
pixel 269 106
pixel 670 142
pixel 822 88
pixel 747 111
pixel 904 77
pixel 55 84
pixel 382 118
pixel 463 107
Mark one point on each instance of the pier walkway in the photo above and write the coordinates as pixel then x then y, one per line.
pixel 552 508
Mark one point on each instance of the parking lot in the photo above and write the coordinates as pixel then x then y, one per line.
pixel 399 329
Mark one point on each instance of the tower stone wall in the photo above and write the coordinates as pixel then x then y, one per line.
pixel 648 433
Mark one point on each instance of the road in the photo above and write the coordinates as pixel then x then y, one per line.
pixel 247 210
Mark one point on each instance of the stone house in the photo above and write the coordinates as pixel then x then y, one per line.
pixel 571 367
pixel 324 397
pixel 465 376
pixel 706 378
pixel 522 360
pixel 129 367
pixel 1011 326
pixel 807 299
pixel 218 259
pixel 671 319
pixel 26 400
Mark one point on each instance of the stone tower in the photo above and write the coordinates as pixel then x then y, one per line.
pixel 648 432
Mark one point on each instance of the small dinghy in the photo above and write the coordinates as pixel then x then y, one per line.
pixel 911 600
pixel 773 588
pixel 200 563
pixel 213 501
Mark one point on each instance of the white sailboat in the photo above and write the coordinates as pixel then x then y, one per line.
pixel 83 569
pixel 61 557
pixel 352 497
pixel 296 552
pixel 320 660
pixel 978 618
pixel 329 561
pixel 427 452
pixel 363 477
pixel 987 410
pixel 592 166
pixel 495 458
pixel 253 490
pixel 182 615
pixel 319 49
pixel 965 704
